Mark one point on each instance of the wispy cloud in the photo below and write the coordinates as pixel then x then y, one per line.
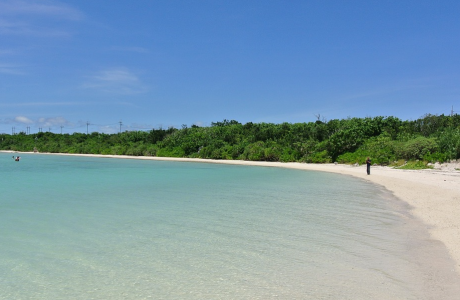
pixel 118 81
pixel 27 28
pixel 35 18
pixel 39 8
pixel 387 89
pixel 7 52
pixel 11 69
pixel 130 49
pixel 32 104
pixel 371 93
pixel 107 129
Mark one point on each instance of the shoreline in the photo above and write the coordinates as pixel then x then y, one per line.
pixel 433 195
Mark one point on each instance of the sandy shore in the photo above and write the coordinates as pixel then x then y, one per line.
pixel 433 195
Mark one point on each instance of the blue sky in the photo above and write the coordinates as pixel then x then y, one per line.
pixel 152 64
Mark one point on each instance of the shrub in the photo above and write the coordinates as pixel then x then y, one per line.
pixel 449 142
pixel 254 151
pixel 272 153
pixel 416 148
pixel 168 152
pixel 380 149
pixel 359 156
pixel 319 157
pixel 415 165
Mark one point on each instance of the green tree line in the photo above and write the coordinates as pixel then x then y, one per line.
pixel 385 139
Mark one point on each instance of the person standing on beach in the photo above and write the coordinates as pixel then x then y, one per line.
pixel 368 163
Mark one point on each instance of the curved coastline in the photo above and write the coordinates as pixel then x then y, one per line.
pixel 433 195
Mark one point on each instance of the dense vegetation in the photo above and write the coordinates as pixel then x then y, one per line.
pixel 385 139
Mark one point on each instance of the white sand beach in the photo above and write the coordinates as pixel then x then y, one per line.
pixel 433 194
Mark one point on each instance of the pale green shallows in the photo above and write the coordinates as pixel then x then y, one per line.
pixel 95 228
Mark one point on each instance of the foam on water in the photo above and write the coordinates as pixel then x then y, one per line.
pixel 94 228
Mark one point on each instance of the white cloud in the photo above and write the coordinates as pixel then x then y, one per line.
pixel 32 104
pixel 35 17
pixel 30 30
pixel 42 122
pixel 50 122
pixel 7 52
pixel 22 119
pixel 131 49
pixel 107 129
pixel 39 8
pixel 116 76
pixel 11 27
pixel 10 69
pixel 118 81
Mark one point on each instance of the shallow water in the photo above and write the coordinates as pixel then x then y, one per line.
pixel 98 228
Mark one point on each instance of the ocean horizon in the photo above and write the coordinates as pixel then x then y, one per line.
pixel 77 227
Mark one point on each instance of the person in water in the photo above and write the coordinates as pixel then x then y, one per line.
pixel 368 163
pixel 17 158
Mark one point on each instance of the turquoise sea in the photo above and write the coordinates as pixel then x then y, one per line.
pixel 75 227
